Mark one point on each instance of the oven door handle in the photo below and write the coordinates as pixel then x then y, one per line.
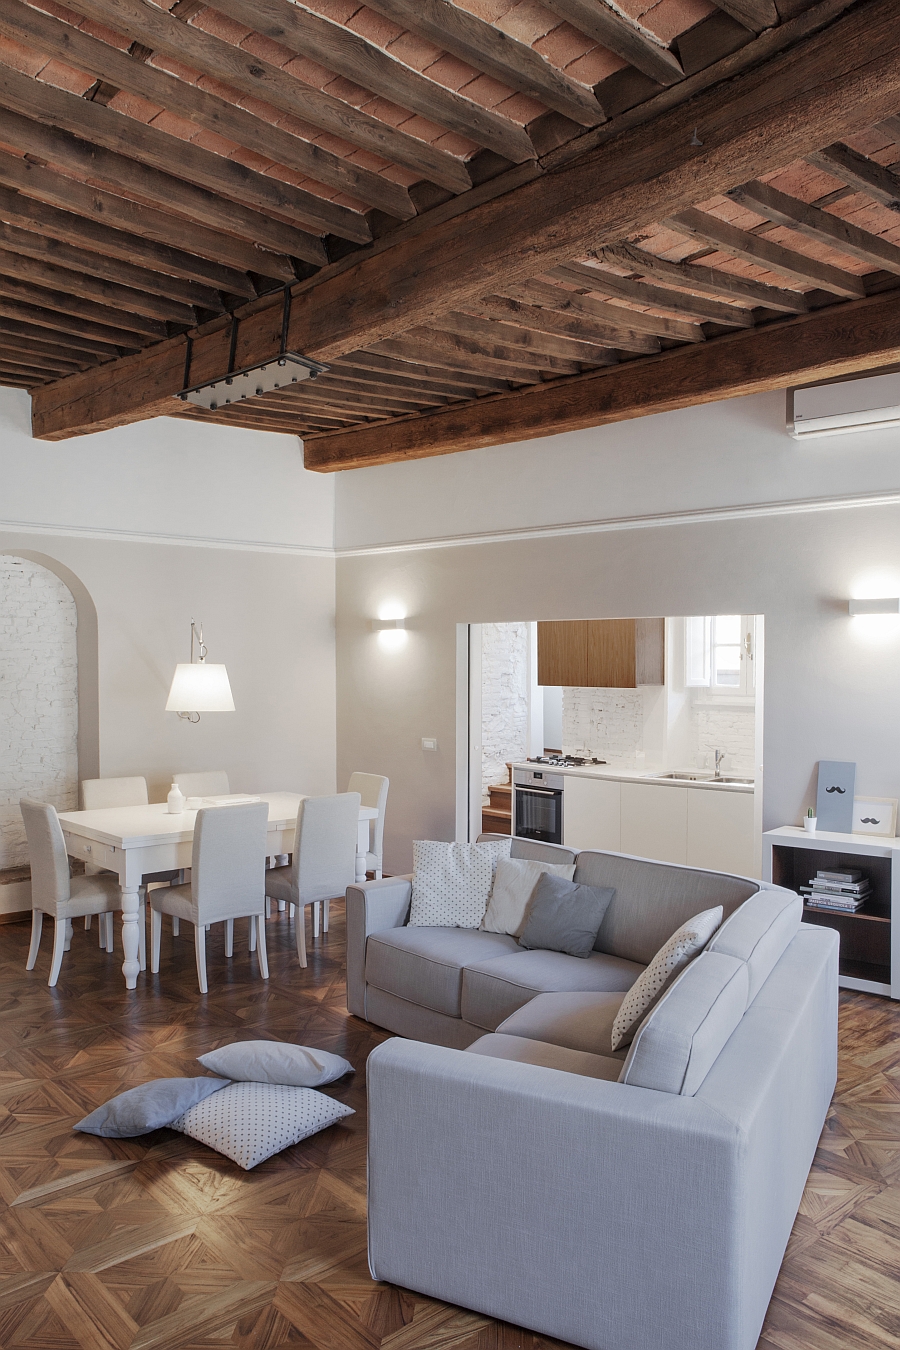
pixel 540 792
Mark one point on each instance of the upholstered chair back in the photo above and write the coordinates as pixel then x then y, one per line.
pixel 324 858
pixel 97 794
pixel 213 783
pixel 50 888
pixel 228 861
pixel 373 791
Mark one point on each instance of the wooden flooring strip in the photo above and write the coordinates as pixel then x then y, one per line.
pixel 198 1318
pixel 67 1183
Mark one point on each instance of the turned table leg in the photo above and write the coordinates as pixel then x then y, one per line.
pixel 130 935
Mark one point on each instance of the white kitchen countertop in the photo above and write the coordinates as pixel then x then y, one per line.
pixel 635 776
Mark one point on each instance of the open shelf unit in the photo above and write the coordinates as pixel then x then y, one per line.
pixel 870 938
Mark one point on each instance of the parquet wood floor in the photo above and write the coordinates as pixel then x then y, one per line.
pixel 159 1244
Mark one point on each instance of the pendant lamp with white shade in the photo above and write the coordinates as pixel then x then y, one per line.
pixel 199 686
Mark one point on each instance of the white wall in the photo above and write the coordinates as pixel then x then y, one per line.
pixel 164 521
pixel 832 689
pixel 504 700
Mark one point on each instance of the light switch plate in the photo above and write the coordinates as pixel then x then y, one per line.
pixel 429 743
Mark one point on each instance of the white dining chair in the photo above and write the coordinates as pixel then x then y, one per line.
pixel 101 794
pixel 54 892
pixel 213 783
pixel 323 862
pixel 228 871
pixel 373 791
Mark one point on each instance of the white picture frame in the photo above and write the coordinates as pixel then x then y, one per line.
pixel 875 815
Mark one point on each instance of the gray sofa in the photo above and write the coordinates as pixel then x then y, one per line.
pixel 632 1201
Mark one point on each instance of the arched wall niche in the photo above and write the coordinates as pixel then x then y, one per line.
pixel 87 657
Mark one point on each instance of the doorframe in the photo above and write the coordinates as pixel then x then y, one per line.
pixel 468 732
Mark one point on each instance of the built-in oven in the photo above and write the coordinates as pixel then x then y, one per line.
pixel 538 805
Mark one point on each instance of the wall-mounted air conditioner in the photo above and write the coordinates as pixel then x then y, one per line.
pixel 853 405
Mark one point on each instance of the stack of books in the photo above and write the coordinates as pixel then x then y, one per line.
pixel 843 890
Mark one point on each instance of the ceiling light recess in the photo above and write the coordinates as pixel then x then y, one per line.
pixel 234 386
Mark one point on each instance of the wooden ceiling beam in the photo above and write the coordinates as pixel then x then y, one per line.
pixel 634 44
pixel 827 344
pixel 492 349
pixel 336 396
pixel 134 231
pixel 418 369
pixel 47 34
pixel 819 225
pixel 107 293
pixel 710 280
pixel 528 340
pixel 86 350
pixel 424 342
pixel 627 321
pixel 356 374
pixel 28 361
pixel 753 14
pixel 40 311
pixel 640 293
pixel 494 52
pixel 535 319
pixel 58 356
pixel 133 155
pixel 841 79
pixel 765 253
pixel 15 284
pixel 248 74
pixel 346 53
pixel 28 243
pixel 860 172
pixel 351 384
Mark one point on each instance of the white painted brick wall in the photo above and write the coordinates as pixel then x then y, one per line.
pixel 603 724
pixel 504 700
pixel 728 729
pixel 38 698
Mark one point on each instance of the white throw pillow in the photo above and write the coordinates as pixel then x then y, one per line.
pixel 684 944
pixel 251 1121
pixel 514 883
pixel 451 882
pixel 276 1062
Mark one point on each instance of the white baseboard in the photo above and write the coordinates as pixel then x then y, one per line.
pixel 15 897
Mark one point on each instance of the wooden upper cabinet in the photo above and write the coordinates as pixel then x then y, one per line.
pixel 602 653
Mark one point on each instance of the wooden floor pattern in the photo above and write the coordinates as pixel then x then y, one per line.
pixel 158 1243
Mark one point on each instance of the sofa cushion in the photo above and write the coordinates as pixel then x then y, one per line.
pixel 493 990
pixel 548 1056
pixel 680 1041
pixel 514 883
pixel 451 882
pixel 576 1021
pixel 424 965
pixel 684 944
pixel 564 917
pixel 759 933
pixel 533 848
pixel 653 899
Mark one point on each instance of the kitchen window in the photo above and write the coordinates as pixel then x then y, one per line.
pixel 719 654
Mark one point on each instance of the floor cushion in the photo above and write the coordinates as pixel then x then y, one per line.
pixel 424 965
pixel 577 1021
pixel 492 990
pixel 547 1056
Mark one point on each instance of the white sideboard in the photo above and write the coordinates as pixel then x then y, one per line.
pixel 870 938
pixel 699 826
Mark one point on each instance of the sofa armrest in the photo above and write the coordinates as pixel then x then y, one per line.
pixel 372 906
pixel 586 1210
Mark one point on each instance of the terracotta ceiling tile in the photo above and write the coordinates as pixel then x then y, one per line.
pixel 489 10
pixel 97 30
pixel 251 159
pixel 339 87
pixel 481 89
pixel 594 66
pixel 342 199
pixel 417 52
pixel 63 76
pixel 374 27
pixel 668 18
pixel 133 105
pixel 390 113
pixel 337 10
pixel 521 108
pixel 563 45
pixel 220 26
pixel 365 159
pixel 813 248
pixel 398 174
pixel 527 21
pixel 174 125
pixel 20 57
pixel 267 50
pixel 174 67
pixel 460 146
pixel 310 72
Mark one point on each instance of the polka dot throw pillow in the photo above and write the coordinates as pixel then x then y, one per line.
pixel 249 1122
pixel 684 944
pixel 451 882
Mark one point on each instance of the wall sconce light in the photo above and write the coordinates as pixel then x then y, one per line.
pixel 197 687
pixel 886 606
pixel 390 627
pixel 387 625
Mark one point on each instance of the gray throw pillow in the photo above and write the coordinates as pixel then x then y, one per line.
pixel 148 1107
pixel 564 916
pixel 276 1062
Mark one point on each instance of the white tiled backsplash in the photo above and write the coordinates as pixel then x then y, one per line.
pixel 38 698
pixel 731 729
pixel 504 699
pixel 603 724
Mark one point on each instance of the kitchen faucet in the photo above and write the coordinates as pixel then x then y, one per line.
pixel 720 755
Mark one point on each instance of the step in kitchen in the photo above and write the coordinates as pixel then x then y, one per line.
pixel 648 738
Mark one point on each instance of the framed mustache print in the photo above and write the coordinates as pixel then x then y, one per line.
pixel 875 815
pixel 834 796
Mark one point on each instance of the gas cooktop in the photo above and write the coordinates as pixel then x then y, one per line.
pixel 564 761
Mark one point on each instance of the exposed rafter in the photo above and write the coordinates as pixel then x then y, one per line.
pixel 857 171
pixel 633 43
pixel 602 281
pixel 809 220
pixel 709 280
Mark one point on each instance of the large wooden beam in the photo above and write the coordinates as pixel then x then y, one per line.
pixel 47 34
pixel 346 53
pixel 841 80
pixel 839 340
pixel 245 71
pixel 494 52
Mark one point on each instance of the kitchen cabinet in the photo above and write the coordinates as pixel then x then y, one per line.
pixel 654 820
pixel 602 653
pixel 591 813
pixel 720 832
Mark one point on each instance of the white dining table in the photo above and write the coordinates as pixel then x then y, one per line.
pixel 134 841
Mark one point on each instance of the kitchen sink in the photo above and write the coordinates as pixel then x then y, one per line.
pixel 685 776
